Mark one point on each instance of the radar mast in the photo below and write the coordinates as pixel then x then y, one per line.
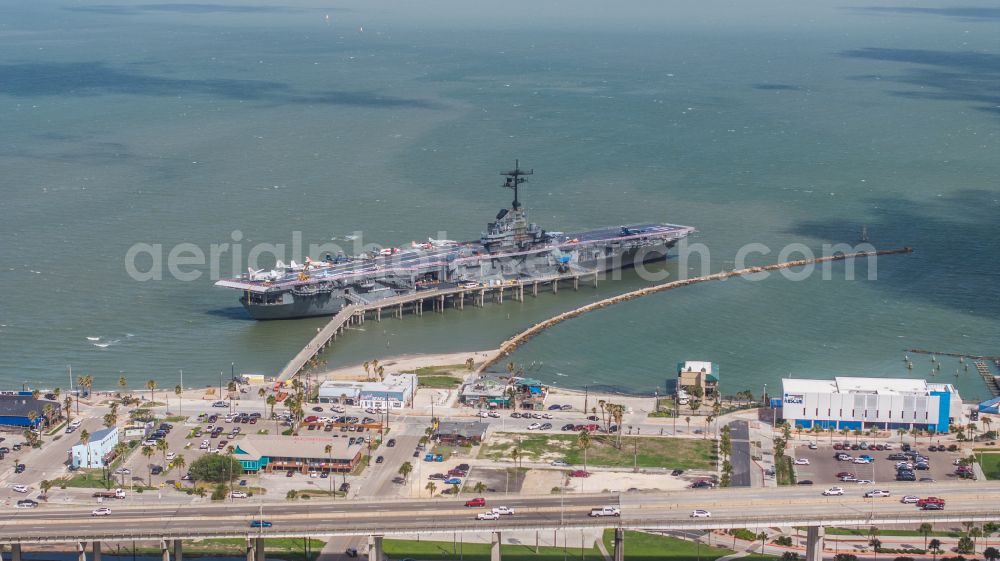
pixel 514 179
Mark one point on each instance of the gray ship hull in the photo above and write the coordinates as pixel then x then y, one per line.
pixel 510 250
pixel 295 306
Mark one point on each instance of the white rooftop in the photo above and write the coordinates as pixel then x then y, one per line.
pixel 848 384
pixel 697 366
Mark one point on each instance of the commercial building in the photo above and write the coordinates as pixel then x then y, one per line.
pixel 694 373
pixel 461 432
pixel 99 450
pixel 395 391
pixel 489 390
pixel 863 403
pixel 21 409
pixel 297 453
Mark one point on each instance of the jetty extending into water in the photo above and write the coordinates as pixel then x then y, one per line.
pixel 417 303
pixel 510 344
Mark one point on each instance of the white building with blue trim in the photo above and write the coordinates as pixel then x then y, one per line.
pixel 866 403
pixel 98 451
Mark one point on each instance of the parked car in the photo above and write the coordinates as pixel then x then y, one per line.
pixel 579 473
pixel 453 481
pixel 379 460
pixel 801 461
pixel 19 488
pixel 390 443
pixel 27 503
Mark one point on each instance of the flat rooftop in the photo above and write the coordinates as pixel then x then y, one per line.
pixel 851 384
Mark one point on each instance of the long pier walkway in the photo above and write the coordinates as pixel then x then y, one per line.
pixel 396 306
pixel 512 343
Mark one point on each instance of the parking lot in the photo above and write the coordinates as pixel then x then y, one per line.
pixel 823 468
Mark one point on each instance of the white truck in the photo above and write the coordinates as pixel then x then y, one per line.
pixel 606 511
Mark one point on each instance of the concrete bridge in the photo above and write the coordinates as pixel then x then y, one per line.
pixel 756 509
pixel 416 303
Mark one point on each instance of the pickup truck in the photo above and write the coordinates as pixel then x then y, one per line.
pixel 116 494
pixel 606 511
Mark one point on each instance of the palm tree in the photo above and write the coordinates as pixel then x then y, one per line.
pixel 975 534
pixel 85 440
pixel 470 363
pixel 231 388
pixel 86 381
pixel 67 407
pixel 381 373
pixel 763 538
pixel 45 485
pixel 935 546
pixel 431 487
pixel 515 454
pixel 122 382
pixel 148 451
pixel 177 391
pixel 110 420
pixel 151 386
pixel 367 366
pixel 876 545
pixel 178 463
pixel 708 425
pixel 480 487
pixel 328 449
pixel 925 529
pixel 405 470
pixel 583 439
pixel 688 421
pixel 262 393
pixel 163 447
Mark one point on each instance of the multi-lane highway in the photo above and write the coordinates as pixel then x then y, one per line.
pixel 730 508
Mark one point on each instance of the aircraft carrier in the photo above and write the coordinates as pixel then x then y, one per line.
pixel 511 249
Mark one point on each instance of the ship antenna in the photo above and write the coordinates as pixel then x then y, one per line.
pixel 514 179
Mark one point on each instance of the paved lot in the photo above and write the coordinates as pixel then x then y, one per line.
pixel 823 466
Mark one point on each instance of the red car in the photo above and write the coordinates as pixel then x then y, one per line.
pixel 592 427
pixel 311 419
pixel 457 472
pixel 478 501
pixel 580 473
pixel 930 500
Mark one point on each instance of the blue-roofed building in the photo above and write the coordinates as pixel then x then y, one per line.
pixel 21 409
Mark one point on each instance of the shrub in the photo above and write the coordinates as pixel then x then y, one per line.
pixel 214 469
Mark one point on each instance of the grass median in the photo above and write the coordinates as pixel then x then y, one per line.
pixel 643 451
pixel 439 550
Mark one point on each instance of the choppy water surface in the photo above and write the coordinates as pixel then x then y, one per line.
pixel 161 123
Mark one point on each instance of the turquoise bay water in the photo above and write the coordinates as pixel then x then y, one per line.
pixel 777 123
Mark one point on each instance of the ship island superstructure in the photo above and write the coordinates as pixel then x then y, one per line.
pixel 511 249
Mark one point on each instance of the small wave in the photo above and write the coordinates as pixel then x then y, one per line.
pixel 108 344
pixel 561 374
pixel 129 335
pixel 93 338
